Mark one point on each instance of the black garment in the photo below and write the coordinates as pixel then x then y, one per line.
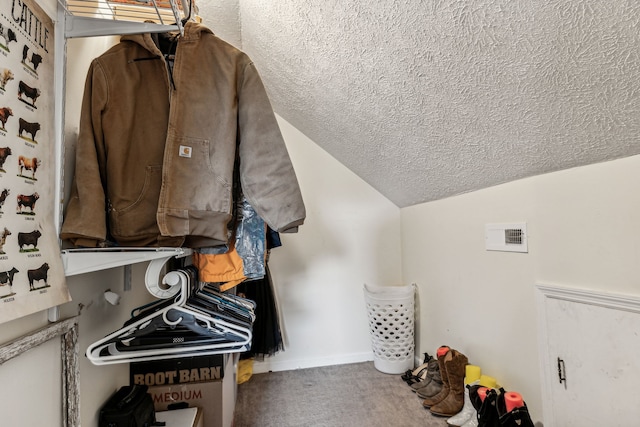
pixel 267 338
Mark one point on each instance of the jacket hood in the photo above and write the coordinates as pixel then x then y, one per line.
pixel 192 31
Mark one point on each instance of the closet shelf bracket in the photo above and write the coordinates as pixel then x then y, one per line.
pixel 160 288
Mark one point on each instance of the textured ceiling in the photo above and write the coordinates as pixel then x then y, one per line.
pixel 428 99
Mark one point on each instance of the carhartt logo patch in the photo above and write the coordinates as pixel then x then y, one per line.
pixel 185 151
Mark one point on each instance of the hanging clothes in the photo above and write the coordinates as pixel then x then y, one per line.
pixel 267 335
pixel 224 270
pixel 244 258
pixel 159 134
pixel 243 269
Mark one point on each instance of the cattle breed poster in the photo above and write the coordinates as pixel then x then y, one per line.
pixel 31 272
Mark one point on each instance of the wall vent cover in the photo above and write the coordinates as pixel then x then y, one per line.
pixel 511 237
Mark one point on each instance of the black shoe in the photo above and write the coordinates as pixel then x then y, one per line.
pixel 517 417
pixel 412 376
pixel 487 410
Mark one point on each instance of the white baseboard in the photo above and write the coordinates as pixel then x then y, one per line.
pixel 268 365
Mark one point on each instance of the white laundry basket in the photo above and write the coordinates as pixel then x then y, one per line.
pixel 391 322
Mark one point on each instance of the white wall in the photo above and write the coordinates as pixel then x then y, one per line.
pixel 351 236
pixel 583 232
pixel 223 19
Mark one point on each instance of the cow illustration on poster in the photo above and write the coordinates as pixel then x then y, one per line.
pixel 31 271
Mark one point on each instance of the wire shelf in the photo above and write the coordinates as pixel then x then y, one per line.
pixel 85 18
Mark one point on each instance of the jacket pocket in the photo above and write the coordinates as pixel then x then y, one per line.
pixel 197 176
pixel 137 218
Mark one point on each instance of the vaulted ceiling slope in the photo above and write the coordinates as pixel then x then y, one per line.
pixel 425 99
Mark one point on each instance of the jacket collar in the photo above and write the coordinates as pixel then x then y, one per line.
pixel 192 32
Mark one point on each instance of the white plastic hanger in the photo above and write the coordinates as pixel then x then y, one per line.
pixel 105 350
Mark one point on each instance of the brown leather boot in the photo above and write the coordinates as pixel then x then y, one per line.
pixel 438 397
pixel 453 402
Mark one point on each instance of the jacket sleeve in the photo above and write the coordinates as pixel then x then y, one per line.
pixel 85 218
pixel 267 176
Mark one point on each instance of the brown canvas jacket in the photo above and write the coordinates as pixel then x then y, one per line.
pixel 156 149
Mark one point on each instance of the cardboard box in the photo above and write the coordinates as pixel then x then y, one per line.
pixel 177 371
pixel 189 417
pixel 217 399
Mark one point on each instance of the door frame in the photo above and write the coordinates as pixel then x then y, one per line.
pixel 548 371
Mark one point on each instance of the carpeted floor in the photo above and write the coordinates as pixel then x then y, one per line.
pixel 352 395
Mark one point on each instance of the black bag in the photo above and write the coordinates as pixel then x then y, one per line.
pixel 131 406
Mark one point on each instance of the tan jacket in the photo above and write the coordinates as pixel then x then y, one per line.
pixel 156 149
